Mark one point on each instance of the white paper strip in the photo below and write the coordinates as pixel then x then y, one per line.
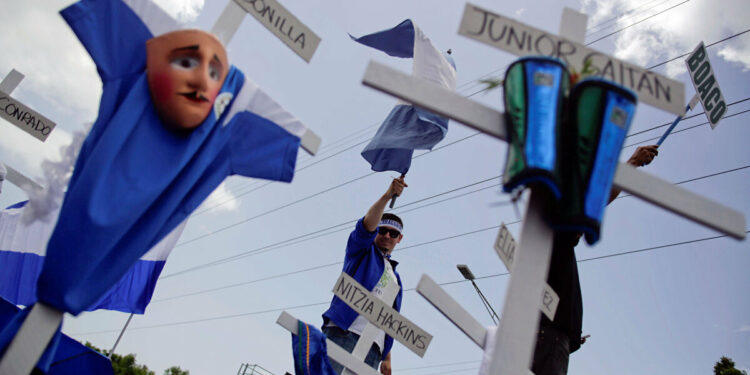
pixel 381 315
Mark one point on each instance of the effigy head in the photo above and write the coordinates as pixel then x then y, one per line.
pixel 185 71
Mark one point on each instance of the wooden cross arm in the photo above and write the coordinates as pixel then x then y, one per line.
pixel 335 352
pixel 680 201
pixel 442 301
pixel 447 103
pixel 17 178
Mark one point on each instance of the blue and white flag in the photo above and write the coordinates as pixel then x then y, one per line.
pixel 408 128
pixel 22 249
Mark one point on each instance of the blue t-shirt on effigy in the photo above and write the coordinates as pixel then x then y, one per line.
pixel 134 180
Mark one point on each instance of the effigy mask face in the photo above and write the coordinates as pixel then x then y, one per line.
pixel 185 71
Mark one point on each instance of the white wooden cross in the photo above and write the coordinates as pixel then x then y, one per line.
pixel 516 336
pixel 19 114
pixel 8 84
pixel 381 316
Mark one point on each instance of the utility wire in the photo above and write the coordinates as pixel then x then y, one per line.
pixel 222 317
pixel 685 54
pixel 633 24
pixel 688 128
pixel 396 250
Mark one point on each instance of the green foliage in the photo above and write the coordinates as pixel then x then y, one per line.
pixel 725 366
pixel 176 370
pixel 491 83
pixel 126 365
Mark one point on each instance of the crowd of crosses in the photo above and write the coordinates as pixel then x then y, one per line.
pixel 528 259
pixel 515 339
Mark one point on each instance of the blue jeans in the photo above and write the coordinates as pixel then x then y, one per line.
pixel 347 340
pixel 551 353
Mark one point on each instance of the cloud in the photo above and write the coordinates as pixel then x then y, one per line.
pixel 184 11
pixel 671 33
pixel 520 12
pixel 744 328
pixel 220 200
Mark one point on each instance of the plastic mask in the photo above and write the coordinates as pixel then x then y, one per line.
pixel 185 71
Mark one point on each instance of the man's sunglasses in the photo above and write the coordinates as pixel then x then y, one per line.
pixel 391 232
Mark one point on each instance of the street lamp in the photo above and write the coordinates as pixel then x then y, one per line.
pixel 466 272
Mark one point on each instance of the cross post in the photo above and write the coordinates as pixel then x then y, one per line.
pixel 517 332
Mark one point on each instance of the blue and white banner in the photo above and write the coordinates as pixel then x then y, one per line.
pixel 408 128
pixel 22 250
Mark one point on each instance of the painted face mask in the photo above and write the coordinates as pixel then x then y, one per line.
pixel 185 71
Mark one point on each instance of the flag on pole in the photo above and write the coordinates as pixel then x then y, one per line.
pixel 408 128
pixel 22 249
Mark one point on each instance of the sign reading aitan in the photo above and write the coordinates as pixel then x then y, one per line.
pixel 706 85
pixel 505 246
pixel 523 40
pixel 284 25
pixel 382 315
pixel 25 118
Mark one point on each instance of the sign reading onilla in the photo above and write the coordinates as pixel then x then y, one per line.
pixel 25 118
pixel 284 25
pixel 382 315
pixel 523 40
pixel 505 246
pixel 706 86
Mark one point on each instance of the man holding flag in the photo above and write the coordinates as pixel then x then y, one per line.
pixel 368 260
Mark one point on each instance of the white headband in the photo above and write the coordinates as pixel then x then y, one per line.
pixel 391 223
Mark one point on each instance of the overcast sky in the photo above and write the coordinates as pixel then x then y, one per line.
pixel 667 309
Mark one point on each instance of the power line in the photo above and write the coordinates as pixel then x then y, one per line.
pixel 688 128
pixel 633 24
pixel 222 317
pixel 347 223
pixel 399 249
pixel 710 45
pixel 685 118
pixel 623 15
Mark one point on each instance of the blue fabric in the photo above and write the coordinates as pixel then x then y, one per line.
pixel 616 122
pixel 541 143
pixel 70 357
pixel 363 262
pixel 404 130
pixel 309 350
pixel 134 180
pixel 398 41
pixel 20 272
pixel 347 340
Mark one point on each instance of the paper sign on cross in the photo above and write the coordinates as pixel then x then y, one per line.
pixel 8 84
pixel 517 332
pixel 505 247
pixel 19 114
pixel 275 18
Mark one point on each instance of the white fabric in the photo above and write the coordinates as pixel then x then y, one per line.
pixel 155 18
pixel 489 348
pixel 430 64
pixel 20 237
pixel 251 98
